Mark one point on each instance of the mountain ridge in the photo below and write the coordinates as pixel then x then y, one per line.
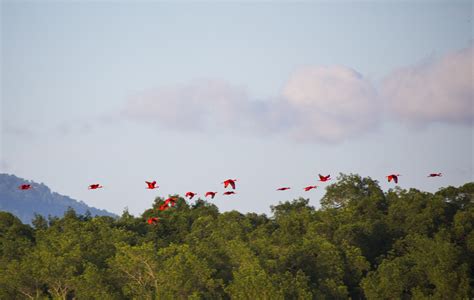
pixel 38 200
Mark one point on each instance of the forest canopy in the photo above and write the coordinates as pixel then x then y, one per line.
pixel 362 243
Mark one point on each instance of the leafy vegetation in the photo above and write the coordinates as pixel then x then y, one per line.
pixel 363 244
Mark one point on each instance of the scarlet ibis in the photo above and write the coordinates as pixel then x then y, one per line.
pixel 308 188
pixel 393 177
pixel 435 175
pixel 283 188
pixel 190 195
pixel 212 194
pixel 95 186
pixel 171 200
pixel 153 220
pixel 229 193
pixel 25 187
pixel 152 185
pixel 324 178
pixel 231 182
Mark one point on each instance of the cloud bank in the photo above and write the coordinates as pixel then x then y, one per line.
pixel 200 105
pixel 438 91
pixel 317 103
pixel 331 103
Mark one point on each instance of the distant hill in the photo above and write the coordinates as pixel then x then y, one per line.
pixel 40 199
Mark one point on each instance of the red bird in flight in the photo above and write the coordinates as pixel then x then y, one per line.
pixel 308 188
pixel 25 187
pixel 152 185
pixel 435 175
pixel 229 193
pixel 324 178
pixel 212 194
pixel 393 177
pixel 190 195
pixel 283 188
pixel 231 182
pixel 170 202
pixel 95 186
pixel 153 220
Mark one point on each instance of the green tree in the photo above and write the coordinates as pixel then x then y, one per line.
pixel 420 267
pixel 136 268
pixel 354 212
pixel 249 281
pixel 415 212
pixel 17 281
pixel 363 243
pixel 15 237
pixel 184 275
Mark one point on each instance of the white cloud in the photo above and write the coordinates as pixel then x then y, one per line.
pixel 317 103
pixel 203 104
pixel 441 90
pixel 331 103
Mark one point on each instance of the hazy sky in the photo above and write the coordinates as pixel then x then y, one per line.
pixel 272 94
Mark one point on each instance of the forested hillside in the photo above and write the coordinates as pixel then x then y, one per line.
pixel 362 243
pixel 38 200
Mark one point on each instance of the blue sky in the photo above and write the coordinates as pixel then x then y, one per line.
pixel 191 94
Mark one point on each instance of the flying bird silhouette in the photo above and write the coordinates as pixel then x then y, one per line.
pixel 152 185
pixel 95 186
pixel 25 187
pixel 153 220
pixel 324 178
pixel 435 175
pixel 283 188
pixel 190 195
pixel 231 182
pixel 229 193
pixel 212 194
pixel 308 188
pixel 393 177
pixel 170 202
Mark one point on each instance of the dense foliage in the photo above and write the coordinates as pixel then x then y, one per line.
pixel 362 243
